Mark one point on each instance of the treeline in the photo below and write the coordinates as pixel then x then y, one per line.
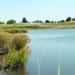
pixel 24 20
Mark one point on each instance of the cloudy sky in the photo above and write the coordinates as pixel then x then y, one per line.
pixel 36 9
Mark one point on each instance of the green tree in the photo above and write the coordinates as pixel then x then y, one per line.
pixel 62 21
pixel 1 22
pixel 38 21
pixel 59 21
pixel 73 19
pixel 24 20
pixel 68 19
pixel 52 21
pixel 47 21
pixel 11 22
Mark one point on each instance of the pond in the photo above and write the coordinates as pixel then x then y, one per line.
pixel 52 53
pixel 51 48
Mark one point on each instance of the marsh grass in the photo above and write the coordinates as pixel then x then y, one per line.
pixel 13 49
pixel 20 41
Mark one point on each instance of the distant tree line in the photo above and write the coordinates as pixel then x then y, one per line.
pixel 24 20
pixel 1 22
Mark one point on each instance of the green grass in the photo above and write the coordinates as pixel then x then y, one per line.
pixel 14 28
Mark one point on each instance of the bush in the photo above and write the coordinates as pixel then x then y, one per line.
pixel 15 46
pixel 20 41
pixel 68 19
pixel 11 22
pixel 47 21
pixel 1 22
pixel 52 21
pixel 62 21
pixel 73 19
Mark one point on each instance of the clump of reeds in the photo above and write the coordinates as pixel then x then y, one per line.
pixel 13 50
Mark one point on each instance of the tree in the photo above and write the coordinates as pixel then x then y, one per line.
pixel 68 19
pixel 38 21
pixel 24 20
pixel 11 22
pixel 59 21
pixel 62 21
pixel 47 21
pixel 73 19
pixel 52 21
pixel 1 22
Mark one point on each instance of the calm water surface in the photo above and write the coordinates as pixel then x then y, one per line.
pixel 49 49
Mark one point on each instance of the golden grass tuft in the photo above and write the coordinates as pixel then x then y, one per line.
pixel 20 41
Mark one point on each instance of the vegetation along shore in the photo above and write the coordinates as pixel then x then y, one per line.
pixel 13 50
pixel 13 43
pixel 13 27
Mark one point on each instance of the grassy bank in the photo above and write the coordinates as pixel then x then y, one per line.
pixel 13 50
pixel 24 27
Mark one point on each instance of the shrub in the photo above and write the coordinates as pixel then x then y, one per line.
pixel 1 22
pixel 68 19
pixel 73 19
pixel 52 21
pixel 47 21
pixel 20 41
pixel 62 21
pixel 11 22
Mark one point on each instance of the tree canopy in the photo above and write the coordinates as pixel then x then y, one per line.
pixel 24 20
pixel 68 19
pixel 11 22
pixel 47 21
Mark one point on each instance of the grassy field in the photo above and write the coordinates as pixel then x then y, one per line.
pixel 24 27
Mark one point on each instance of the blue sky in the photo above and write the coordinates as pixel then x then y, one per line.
pixel 36 9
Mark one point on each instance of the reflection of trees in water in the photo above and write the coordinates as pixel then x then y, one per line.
pixel 20 71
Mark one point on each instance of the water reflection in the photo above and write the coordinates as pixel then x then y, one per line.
pixel 21 71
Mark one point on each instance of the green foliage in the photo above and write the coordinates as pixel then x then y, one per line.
pixel 15 44
pixel 62 21
pixel 23 55
pixel 14 56
pixel 24 20
pixel 52 21
pixel 1 22
pixel 11 22
pixel 73 19
pixel 47 21
pixel 68 19
pixel 37 21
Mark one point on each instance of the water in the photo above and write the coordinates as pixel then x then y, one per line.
pixel 53 53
